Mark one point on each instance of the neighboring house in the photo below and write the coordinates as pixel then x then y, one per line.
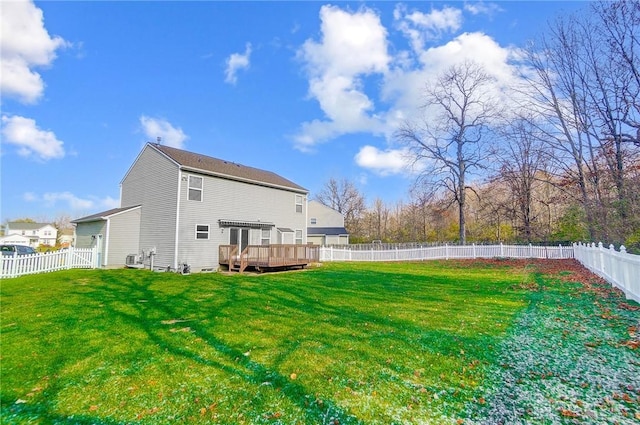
pixel 65 238
pixel 14 240
pixel 37 233
pixel 179 207
pixel 325 226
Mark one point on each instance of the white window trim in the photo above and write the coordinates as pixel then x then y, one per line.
pixel 190 188
pixel 207 232
pixel 299 201
pixel 263 239
pixel 296 239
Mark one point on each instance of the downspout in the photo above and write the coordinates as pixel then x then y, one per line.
pixel 306 219
pixel 177 241
pixel 106 243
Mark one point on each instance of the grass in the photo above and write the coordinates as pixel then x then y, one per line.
pixel 338 344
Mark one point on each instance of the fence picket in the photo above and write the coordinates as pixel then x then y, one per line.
pixel 14 266
pixel 618 268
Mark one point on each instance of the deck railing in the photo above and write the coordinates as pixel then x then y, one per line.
pixel 268 256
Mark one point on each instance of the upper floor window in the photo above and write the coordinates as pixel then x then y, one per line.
pixel 195 188
pixel 298 203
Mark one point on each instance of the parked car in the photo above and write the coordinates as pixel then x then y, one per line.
pixel 12 250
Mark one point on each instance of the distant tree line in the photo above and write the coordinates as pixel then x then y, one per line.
pixel 561 163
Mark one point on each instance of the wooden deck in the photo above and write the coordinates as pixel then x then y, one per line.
pixel 268 257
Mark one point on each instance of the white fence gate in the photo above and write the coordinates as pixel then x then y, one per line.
pixel 69 258
pixel 618 268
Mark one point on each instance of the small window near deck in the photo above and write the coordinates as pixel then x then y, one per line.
pixel 265 237
pixel 195 188
pixel 202 231
pixel 299 237
pixel 298 203
pixel 313 221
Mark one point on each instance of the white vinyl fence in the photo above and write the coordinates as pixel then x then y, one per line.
pixel 618 268
pixel 69 258
pixel 446 252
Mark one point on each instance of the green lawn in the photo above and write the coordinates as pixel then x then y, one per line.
pixel 340 343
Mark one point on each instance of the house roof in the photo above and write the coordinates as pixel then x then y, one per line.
pixel 209 165
pixel 13 225
pixel 103 215
pixel 329 231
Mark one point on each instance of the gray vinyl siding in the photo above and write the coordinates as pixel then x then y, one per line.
pixel 124 237
pixel 84 231
pixel 325 216
pixel 232 200
pixel 153 182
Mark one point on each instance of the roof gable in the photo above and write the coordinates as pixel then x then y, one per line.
pixel 225 169
pixel 104 215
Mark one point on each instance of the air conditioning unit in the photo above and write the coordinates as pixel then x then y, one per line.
pixel 134 260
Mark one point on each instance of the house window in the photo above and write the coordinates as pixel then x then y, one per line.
pixel 313 221
pixel 195 188
pixel 299 237
pixel 202 231
pixel 265 237
pixel 298 203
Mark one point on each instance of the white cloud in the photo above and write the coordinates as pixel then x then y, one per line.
pixel 404 88
pixel 30 140
pixel 24 44
pixel 69 201
pixel 236 62
pixel 353 49
pixel 384 163
pixel 482 8
pixel 158 127
pixel 353 45
pixel 421 27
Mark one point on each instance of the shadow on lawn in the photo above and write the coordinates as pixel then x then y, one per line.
pixel 146 316
pixel 145 300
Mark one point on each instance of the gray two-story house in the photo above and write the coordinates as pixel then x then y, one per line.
pixel 179 207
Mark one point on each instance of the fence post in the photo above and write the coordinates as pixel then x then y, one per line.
pixel 601 251
pixel 446 251
pixel 625 274
pixel 501 250
pixel 96 257
pixel 67 261
pixel 474 250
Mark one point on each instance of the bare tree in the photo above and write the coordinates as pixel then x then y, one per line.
pixel 344 197
pixel 448 141
pixel 585 95
pixel 522 162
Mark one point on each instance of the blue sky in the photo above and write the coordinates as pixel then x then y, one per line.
pixel 309 90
